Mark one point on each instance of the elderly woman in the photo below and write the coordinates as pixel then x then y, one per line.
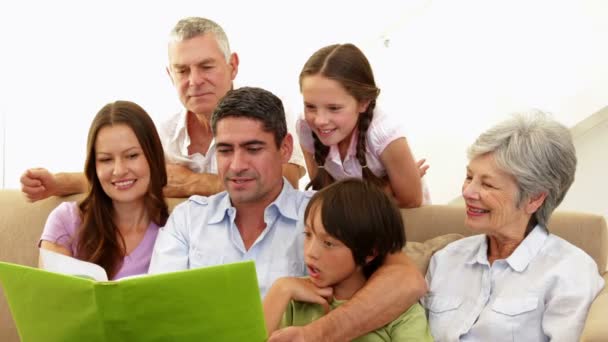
pixel 515 281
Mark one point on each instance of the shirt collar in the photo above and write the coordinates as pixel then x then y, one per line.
pixel 527 249
pixel 284 204
pixel 521 256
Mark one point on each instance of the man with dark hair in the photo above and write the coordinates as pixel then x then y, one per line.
pixel 260 217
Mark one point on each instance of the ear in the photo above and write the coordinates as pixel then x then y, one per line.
pixel 234 63
pixel 363 105
pixel 286 148
pixel 534 202
pixel 170 75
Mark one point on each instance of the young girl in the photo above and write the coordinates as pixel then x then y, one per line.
pixel 116 224
pixel 343 135
pixel 350 226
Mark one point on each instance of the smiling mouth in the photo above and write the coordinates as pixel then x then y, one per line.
pixel 477 210
pixel 124 184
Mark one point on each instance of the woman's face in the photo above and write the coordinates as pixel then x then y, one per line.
pixel 491 197
pixel 122 167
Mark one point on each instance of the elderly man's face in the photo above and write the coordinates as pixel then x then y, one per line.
pixel 491 197
pixel 200 73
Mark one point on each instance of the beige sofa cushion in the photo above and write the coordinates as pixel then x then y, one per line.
pixel 421 252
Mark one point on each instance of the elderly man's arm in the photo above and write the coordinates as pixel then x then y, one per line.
pixel 183 182
pixel 390 291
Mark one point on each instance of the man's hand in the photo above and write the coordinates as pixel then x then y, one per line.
pixel 183 182
pixel 38 184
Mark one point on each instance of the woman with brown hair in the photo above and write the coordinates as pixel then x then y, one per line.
pixel 116 224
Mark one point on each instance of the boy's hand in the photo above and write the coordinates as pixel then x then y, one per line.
pixel 303 290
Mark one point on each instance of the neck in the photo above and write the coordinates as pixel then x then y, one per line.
pixel 501 247
pixel 250 217
pixel 131 216
pixel 347 288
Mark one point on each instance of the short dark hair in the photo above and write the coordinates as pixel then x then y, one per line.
pixel 253 103
pixel 361 216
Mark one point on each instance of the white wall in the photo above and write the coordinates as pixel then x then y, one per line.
pixel 448 68
pixel 589 192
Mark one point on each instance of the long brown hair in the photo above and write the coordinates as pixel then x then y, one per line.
pixel 99 239
pixel 346 64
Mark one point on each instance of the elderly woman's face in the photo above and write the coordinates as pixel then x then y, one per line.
pixel 491 197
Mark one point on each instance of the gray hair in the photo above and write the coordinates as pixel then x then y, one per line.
pixel 538 152
pixel 191 27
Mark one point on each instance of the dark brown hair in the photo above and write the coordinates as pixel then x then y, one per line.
pixel 346 64
pixel 99 239
pixel 362 217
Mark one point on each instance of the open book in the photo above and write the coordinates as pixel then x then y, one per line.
pixel 59 263
pixel 217 303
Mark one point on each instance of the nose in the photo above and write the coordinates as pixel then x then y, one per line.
pixel 196 77
pixel 320 118
pixel 120 167
pixel 311 248
pixel 470 190
pixel 239 161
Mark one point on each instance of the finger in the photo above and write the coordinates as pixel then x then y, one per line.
pixel 28 180
pixel 33 190
pixel 420 162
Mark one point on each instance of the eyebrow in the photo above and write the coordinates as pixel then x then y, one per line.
pixel 243 144
pixel 204 61
pixel 123 151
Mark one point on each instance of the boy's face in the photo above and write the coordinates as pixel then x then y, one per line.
pixel 328 261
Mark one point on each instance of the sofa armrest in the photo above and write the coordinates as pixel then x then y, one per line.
pixel 596 328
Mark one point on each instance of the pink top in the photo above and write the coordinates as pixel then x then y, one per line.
pixel 61 228
pixel 381 132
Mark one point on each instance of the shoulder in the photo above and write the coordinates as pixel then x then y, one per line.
pixel 567 255
pixel 304 134
pixel 66 212
pixel 461 248
pixel 383 130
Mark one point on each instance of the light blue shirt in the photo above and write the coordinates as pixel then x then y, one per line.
pixel 541 292
pixel 201 232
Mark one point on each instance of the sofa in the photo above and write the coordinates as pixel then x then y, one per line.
pixel 427 229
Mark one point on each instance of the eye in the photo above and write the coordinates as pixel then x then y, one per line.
pixel 224 150
pixel 104 160
pixel 328 243
pixel 309 107
pixel 254 149
pixel 487 185
pixel 334 108
pixel 307 235
pixel 133 156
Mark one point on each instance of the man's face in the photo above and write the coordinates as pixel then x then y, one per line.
pixel 248 160
pixel 200 73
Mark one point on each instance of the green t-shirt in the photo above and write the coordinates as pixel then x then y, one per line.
pixel 410 326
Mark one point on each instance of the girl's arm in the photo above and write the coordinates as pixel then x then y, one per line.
pixel 290 288
pixel 311 165
pixel 403 173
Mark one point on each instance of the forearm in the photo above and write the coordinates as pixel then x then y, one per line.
pixel 69 183
pixel 274 305
pixel 204 184
pixel 293 173
pixel 391 290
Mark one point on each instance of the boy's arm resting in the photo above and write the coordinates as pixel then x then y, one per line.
pixel 291 288
pixel 38 184
pixel 183 182
pixel 390 291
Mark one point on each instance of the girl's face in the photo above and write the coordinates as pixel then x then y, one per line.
pixel 330 111
pixel 328 261
pixel 122 167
